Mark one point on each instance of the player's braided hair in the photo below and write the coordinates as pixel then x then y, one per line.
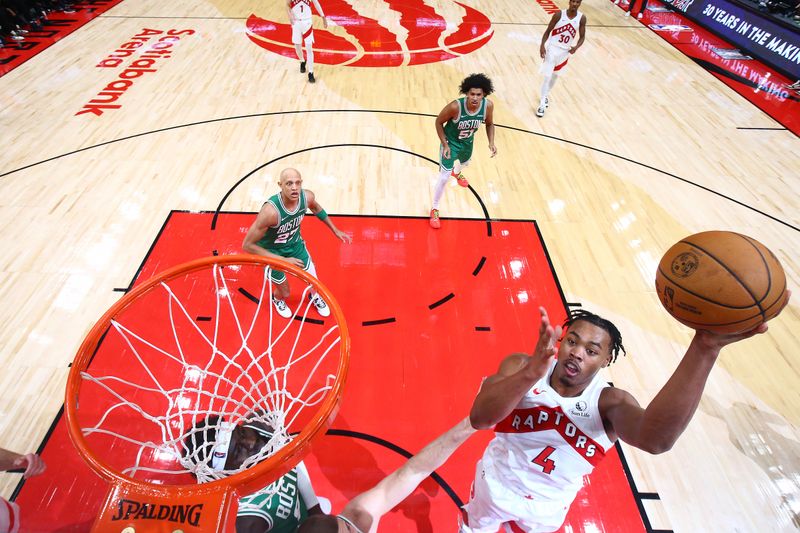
pixel 477 81
pixel 600 322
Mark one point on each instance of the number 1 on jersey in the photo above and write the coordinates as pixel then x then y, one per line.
pixel 548 465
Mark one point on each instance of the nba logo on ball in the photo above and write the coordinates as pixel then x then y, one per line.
pixel 684 265
pixel 721 281
pixel 668 298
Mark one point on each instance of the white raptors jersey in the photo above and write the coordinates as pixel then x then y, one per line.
pixel 548 443
pixel 565 32
pixel 301 9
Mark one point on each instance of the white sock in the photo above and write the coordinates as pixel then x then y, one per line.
pixel 310 58
pixel 438 191
pixel 553 80
pixel 545 90
pixel 311 268
pixel 299 51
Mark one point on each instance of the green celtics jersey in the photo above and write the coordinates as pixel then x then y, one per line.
pixel 286 234
pixel 282 511
pixel 461 130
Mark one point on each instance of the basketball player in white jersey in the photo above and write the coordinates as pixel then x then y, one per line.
pixel 362 513
pixel 33 465
pixel 558 43
pixel 555 419
pixel 303 32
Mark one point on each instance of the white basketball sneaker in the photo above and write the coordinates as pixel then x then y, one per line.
pixel 540 111
pixel 322 307
pixel 282 308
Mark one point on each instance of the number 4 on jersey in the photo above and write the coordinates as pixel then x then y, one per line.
pixel 548 465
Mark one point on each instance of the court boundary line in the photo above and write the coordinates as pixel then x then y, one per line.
pixel 406 113
pixel 345 145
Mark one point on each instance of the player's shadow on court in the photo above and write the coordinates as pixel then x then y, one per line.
pixel 752 432
pixel 352 468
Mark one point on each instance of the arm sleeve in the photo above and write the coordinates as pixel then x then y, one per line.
pixel 305 487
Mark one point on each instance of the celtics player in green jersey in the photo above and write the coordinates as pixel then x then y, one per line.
pixel 279 507
pixel 276 233
pixel 456 126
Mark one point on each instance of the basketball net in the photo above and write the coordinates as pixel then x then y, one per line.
pixel 172 369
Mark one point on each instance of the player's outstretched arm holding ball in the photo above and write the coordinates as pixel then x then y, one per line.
pixel 656 428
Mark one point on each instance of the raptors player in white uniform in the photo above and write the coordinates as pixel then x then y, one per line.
pixel 558 42
pixel 303 32
pixel 554 420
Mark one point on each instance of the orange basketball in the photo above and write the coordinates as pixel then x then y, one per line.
pixel 721 281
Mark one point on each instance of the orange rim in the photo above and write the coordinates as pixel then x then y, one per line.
pixel 248 480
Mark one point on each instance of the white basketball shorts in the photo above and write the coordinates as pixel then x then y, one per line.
pixel 302 31
pixel 492 505
pixel 555 59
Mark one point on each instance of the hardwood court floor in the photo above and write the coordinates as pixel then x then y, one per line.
pixel 639 148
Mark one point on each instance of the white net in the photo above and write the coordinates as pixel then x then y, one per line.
pixel 197 357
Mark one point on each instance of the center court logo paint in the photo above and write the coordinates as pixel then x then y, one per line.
pixel 549 6
pixel 383 34
pixel 153 54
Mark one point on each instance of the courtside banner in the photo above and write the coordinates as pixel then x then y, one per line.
pixel 772 43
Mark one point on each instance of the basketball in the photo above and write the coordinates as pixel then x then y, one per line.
pixel 721 281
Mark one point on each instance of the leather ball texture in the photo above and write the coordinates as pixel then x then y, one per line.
pixel 721 281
